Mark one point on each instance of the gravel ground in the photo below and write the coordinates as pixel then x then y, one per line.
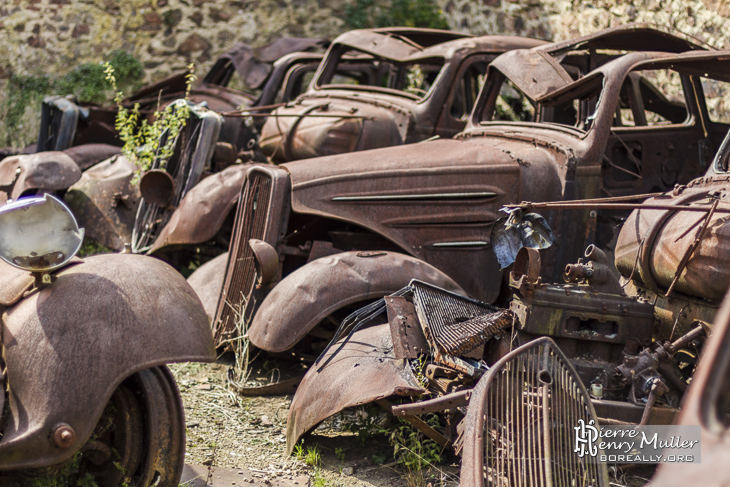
pixel 226 430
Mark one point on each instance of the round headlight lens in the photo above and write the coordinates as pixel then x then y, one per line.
pixel 38 234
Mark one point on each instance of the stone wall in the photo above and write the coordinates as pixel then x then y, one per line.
pixel 52 36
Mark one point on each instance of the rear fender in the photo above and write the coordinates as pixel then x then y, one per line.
pixel 308 295
pixel 204 209
pixel 68 346
pixel 45 171
pixel 364 371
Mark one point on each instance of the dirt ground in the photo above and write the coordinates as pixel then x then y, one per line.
pixel 227 430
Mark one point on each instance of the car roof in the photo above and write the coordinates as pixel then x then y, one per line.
pixel 406 44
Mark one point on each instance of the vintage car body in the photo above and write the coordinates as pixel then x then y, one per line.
pixel 636 350
pixel 51 171
pixel 356 116
pixel 432 84
pixel 439 200
pixel 65 123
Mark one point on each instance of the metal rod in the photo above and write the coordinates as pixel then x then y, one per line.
pixel 692 247
pixel 616 206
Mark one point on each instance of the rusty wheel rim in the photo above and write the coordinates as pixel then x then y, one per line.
pixel 140 438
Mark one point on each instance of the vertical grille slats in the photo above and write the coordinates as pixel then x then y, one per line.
pixel 532 405
pixel 251 222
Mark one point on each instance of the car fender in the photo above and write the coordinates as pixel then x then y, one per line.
pixel 70 344
pixel 204 209
pixel 308 295
pixel 45 171
pixel 207 282
pixel 363 371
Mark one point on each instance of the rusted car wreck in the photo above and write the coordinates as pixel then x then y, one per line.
pixel 635 345
pixel 374 88
pixel 315 237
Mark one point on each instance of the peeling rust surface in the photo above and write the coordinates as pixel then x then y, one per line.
pixel 137 313
pixel 105 202
pixel 14 282
pixel 46 171
pixel 203 210
pixel 339 118
pixel 405 329
pixel 207 281
pixel 367 355
pixel 300 301
pixel 706 404
pixel 653 242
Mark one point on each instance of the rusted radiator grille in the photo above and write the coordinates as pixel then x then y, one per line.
pixel 534 402
pixel 240 280
pixel 453 323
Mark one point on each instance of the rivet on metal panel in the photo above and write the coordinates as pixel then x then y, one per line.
pixel 64 435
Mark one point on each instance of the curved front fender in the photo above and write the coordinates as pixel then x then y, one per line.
pixel 68 346
pixel 311 293
pixel 364 371
pixel 207 282
pixel 203 210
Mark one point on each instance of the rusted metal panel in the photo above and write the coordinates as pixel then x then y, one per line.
pixel 86 350
pixel 46 171
pixel 207 282
pixel 653 242
pixel 333 119
pixel 14 282
pixel 88 155
pixel 405 330
pixel 324 393
pixel 203 210
pixel 438 404
pixel 706 405
pixel 299 302
pixel 105 202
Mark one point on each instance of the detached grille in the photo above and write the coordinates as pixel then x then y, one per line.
pixel 455 325
pixel 252 216
pixel 59 118
pixel 534 401
pixel 193 150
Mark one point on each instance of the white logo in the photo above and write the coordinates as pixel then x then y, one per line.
pixel 586 436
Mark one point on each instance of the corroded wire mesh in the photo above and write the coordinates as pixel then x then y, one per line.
pixel 534 402
pixel 454 324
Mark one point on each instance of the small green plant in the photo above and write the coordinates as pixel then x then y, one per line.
pixel 361 14
pixel 318 479
pixel 340 454
pixel 412 449
pixel 313 458
pixel 92 247
pixel 299 450
pixel 146 142
pixel 21 95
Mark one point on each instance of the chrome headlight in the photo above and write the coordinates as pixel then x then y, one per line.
pixel 38 234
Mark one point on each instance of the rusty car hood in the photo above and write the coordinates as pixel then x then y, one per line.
pixel 105 201
pixel 440 201
pixel 334 122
